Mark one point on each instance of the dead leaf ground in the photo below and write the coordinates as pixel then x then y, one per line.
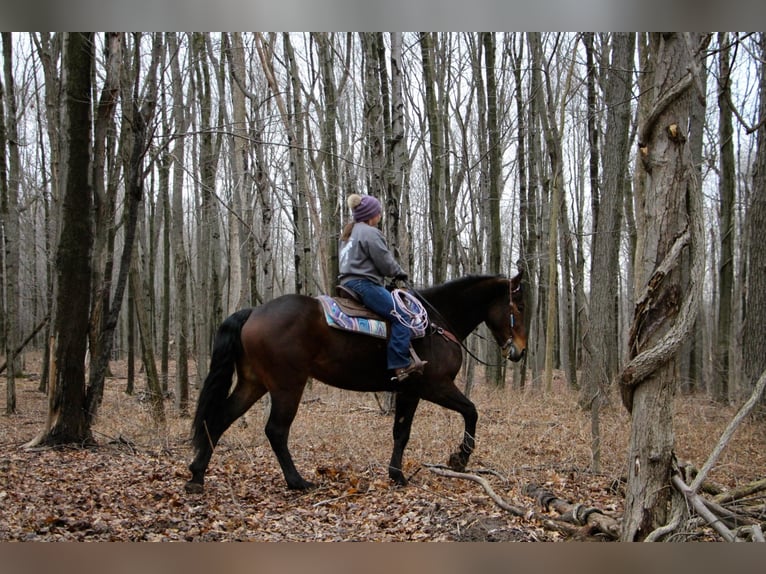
pixel 130 487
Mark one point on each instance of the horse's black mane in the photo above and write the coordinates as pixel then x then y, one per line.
pixel 456 284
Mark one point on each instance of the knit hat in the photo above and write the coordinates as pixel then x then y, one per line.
pixel 363 207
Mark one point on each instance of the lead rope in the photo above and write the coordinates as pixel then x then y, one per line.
pixel 409 311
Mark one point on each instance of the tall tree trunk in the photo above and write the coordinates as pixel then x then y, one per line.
pixel 104 196
pixel 177 233
pixel 299 186
pixel 208 288
pixel 436 192
pixel 9 218
pixel 754 343
pixel 553 146
pixel 726 189
pixel 397 197
pixel 496 371
pixel 67 421
pixel 141 118
pixel 49 50
pixel 527 207
pixel 601 350
pixel 328 160
pixel 669 218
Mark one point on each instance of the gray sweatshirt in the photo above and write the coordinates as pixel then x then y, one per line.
pixel 366 256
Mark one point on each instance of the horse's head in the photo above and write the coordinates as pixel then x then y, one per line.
pixel 508 324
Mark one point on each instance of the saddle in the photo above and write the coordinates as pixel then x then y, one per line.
pixel 346 311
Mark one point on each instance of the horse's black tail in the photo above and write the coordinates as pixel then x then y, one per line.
pixel 227 349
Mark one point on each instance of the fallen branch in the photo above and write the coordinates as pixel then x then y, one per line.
pixel 496 498
pixel 26 341
pixel 730 429
pixel 740 492
pixel 577 514
pixel 699 505
pixel 546 521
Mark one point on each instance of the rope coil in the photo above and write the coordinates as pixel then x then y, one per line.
pixel 408 310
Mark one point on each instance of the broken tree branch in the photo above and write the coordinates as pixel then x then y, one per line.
pixel 26 341
pixel 740 492
pixel 730 429
pixel 699 505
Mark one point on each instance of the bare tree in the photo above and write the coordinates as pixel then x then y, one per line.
pixel 67 421
pixel 669 219
pixel 9 221
pixel 181 266
pixel 601 361
pixel 726 187
pixel 754 344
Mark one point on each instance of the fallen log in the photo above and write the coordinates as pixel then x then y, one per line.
pixel 578 514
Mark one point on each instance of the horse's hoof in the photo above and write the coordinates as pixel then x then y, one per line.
pixel 398 479
pixel 456 462
pixel 194 488
pixel 302 485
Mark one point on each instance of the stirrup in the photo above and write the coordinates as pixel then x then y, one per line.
pixel 402 373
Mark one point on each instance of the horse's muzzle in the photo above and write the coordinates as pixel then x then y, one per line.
pixel 512 353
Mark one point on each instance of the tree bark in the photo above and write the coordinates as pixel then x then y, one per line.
pixel 67 418
pixel 177 234
pixel 668 218
pixel 754 343
pixel 436 186
pixel 601 360
pixel 726 188
pixel 9 218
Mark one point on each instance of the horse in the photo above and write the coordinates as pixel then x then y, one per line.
pixel 276 347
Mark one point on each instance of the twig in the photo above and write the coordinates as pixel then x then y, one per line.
pixel 26 341
pixel 730 429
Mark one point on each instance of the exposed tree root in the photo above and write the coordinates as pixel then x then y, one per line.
pixel 575 521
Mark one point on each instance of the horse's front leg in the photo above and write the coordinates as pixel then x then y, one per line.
pixel 451 398
pixel 406 404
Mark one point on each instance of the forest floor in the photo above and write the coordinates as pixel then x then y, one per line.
pixel 130 487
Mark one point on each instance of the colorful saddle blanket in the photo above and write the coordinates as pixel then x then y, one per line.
pixel 349 315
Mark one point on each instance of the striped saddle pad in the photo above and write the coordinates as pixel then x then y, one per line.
pixel 350 315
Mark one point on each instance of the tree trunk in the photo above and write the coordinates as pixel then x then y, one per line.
pixel 436 193
pixel 137 138
pixel 668 218
pixel 67 421
pixel 9 217
pixel 177 235
pixel 726 189
pixel 754 343
pixel 601 349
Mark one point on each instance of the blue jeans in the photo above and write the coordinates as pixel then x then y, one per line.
pixel 378 299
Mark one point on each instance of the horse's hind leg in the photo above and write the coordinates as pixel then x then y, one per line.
pixel 284 406
pixel 406 405
pixel 245 393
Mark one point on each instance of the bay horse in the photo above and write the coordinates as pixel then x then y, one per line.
pixel 276 347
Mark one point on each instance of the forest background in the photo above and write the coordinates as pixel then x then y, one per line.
pixel 217 167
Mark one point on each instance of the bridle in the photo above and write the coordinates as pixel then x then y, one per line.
pixel 448 332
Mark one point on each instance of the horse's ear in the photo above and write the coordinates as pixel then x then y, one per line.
pixel 516 281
